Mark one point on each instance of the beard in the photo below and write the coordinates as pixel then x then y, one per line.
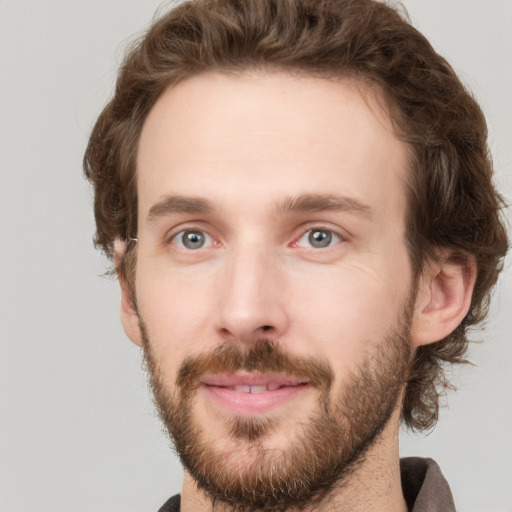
pixel 326 447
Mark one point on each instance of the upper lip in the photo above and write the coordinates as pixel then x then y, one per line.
pixel 251 379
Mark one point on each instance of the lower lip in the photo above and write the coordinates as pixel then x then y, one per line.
pixel 247 404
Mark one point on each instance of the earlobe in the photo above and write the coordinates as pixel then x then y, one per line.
pixel 129 315
pixel 443 299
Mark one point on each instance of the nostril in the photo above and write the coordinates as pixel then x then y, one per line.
pixel 266 327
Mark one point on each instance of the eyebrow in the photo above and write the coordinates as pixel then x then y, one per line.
pixel 300 204
pixel 178 204
pixel 323 202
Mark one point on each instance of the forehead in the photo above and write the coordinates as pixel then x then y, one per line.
pixel 264 135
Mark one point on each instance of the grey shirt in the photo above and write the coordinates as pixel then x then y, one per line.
pixel 424 486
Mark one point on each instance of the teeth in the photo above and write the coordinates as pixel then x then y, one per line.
pixel 255 389
pixel 258 389
pixel 242 389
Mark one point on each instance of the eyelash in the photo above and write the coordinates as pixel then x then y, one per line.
pixel 180 235
pixel 332 236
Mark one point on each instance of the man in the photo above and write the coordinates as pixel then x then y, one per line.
pixel 298 199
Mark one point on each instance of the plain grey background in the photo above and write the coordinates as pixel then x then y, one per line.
pixel 78 431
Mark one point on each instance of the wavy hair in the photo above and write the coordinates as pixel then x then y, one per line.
pixel 452 202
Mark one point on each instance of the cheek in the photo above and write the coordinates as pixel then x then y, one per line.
pixel 336 312
pixel 347 311
pixel 176 310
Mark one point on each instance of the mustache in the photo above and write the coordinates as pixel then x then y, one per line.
pixel 264 356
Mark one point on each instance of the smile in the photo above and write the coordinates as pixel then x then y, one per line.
pixel 249 394
pixel 254 389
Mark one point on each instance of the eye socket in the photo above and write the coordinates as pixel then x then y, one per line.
pixel 192 239
pixel 318 239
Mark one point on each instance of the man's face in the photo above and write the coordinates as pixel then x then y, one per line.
pixel 273 282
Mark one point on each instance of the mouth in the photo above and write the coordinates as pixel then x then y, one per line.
pixel 251 394
pixel 254 389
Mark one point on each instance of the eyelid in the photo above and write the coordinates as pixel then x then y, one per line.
pixel 177 240
pixel 171 235
pixel 335 239
pixel 342 234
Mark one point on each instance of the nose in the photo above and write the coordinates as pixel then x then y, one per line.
pixel 252 297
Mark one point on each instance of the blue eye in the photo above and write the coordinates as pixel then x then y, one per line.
pixel 192 239
pixel 318 238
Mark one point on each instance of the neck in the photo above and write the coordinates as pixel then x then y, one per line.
pixel 375 486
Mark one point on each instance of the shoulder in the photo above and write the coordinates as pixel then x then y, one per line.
pixel 171 505
pixel 424 486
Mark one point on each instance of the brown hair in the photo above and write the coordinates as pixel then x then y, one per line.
pixel 452 201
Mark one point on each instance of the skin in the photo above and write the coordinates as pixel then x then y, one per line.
pixel 247 144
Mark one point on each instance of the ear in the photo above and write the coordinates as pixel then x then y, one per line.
pixel 444 297
pixel 129 316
